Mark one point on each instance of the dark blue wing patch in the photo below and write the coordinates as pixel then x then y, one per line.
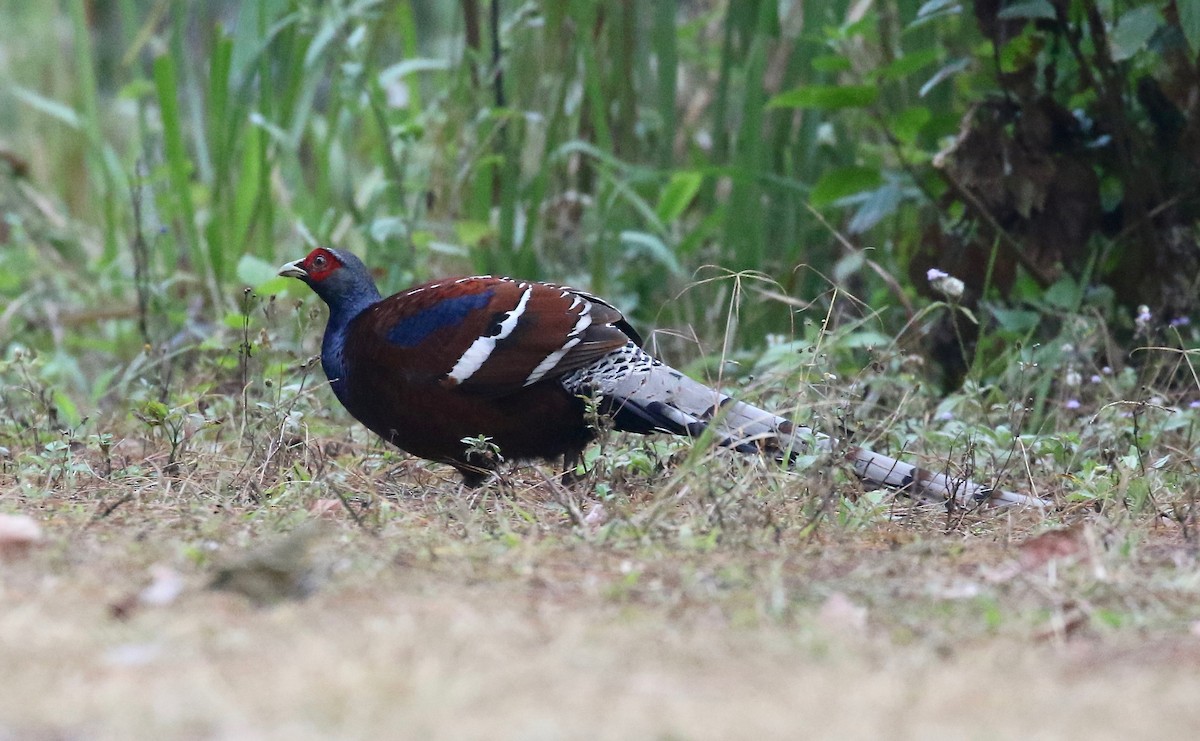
pixel 413 330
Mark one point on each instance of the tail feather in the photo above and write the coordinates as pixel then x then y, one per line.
pixel 647 395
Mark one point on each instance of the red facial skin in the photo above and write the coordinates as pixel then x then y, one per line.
pixel 320 264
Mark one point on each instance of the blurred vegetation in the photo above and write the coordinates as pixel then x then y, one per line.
pixel 781 163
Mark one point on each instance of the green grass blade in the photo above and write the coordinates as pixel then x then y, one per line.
pixel 179 169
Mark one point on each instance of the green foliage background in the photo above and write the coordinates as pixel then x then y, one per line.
pixel 694 161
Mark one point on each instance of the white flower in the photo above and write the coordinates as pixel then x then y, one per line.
pixel 1073 378
pixel 944 283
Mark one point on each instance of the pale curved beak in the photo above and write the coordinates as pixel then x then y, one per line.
pixel 293 270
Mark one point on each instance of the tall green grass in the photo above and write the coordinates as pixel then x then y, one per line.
pixel 631 147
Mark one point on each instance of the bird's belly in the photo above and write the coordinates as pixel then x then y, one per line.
pixel 541 421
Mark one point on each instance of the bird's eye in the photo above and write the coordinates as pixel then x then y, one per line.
pixel 319 262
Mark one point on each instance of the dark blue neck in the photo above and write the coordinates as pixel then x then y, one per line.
pixel 343 309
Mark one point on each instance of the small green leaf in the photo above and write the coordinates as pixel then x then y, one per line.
pixel 826 97
pixel 472 233
pixel 136 90
pixel 1021 51
pixel 1112 192
pixel 848 266
pixel 254 271
pixel 50 107
pixel 388 227
pixel 866 338
pixel 233 320
pixel 679 193
pixel 154 411
pixel 421 238
pixel 654 248
pixel 909 63
pixel 1133 30
pixel 907 125
pixel 1064 294
pixel 830 63
pixel 1112 618
pixel 841 182
pixel 1017 321
pixel 276 286
pixel 66 408
pixel 879 204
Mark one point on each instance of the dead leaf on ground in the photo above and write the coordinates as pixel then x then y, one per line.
pixel 325 508
pixel 596 516
pixel 1051 545
pixel 18 533
pixel 166 584
pixel 1040 550
pixel 842 614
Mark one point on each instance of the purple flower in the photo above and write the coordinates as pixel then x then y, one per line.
pixel 1072 404
pixel 1180 321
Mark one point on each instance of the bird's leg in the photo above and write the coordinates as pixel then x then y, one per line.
pixel 571 461
pixel 564 492
pixel 473 477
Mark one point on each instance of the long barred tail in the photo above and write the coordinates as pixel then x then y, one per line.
pixel 646 395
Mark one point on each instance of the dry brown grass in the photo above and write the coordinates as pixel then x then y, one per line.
pixel 450 615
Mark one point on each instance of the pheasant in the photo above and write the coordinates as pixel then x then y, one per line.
pixel 432 367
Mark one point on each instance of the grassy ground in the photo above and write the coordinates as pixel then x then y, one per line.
pixel 405 649
pixel 430 612
pixel 675 592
